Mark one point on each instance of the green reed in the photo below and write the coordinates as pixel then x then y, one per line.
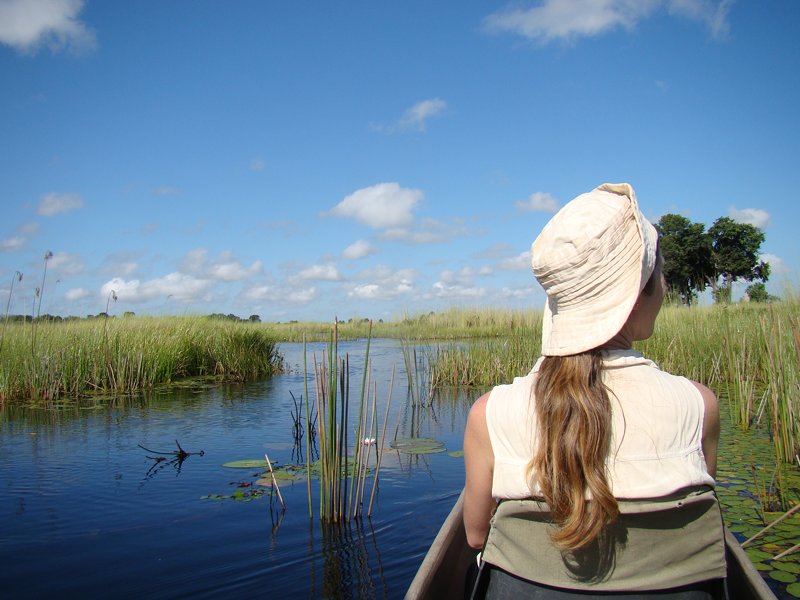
pixel 343 476
pixel 75 358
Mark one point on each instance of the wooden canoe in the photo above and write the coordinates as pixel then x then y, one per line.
pixel 443 569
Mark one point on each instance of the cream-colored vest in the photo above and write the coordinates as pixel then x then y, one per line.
pixel 657 429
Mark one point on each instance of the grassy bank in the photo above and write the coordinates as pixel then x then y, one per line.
pixel 47 360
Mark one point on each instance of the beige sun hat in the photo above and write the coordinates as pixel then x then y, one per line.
pixel 593 258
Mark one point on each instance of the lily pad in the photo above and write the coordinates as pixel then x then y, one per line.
pixel 793 589
pixel 418 445
pixel 456 453
pixel 253 463
pixel 789 567
pixel 782 576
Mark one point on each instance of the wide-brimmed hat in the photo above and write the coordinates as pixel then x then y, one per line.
pixel 593 258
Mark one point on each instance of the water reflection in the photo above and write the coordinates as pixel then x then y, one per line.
pixel 352 566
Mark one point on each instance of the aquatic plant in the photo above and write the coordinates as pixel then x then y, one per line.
pixel 80 357
pixel 342 481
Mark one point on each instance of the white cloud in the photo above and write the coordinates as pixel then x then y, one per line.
pixel 52 204
pixel 257 164
pixel 358 249
pixel 539 202
pixel 777 265
pixel 379 206
pixel 66 264
pixel 464 276
pixel 569 19
pixel 183 288
pixel 76 294
pixel 25 25
pixel 323 272
pixel 752 216
pixel 712 13
pixel 367 291
pixel 225 268
pixel 233 270
pixel 303 296
pixel 382 282
pixel 520 262
pixel 442 289
pixel 431 231
pixel 416 116
pixel 12 243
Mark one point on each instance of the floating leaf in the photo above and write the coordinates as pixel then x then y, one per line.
pixel 793 589
pixel 789 567
pixel 782 576
pixel 456 453
pixel 418 445
pixel 247 464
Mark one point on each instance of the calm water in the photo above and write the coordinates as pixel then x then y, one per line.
pixel 84 513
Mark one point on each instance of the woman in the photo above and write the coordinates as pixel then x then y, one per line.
pixel 600 467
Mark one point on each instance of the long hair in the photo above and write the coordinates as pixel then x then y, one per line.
pixel 573 413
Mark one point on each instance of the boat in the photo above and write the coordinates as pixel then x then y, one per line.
pixel 442 572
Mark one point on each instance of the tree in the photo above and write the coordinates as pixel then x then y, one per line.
pixel 254 319
pixel 757 292
pixel 686 249
pixel 734 251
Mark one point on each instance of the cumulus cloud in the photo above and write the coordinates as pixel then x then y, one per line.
pixel 538 202
pixel 570 19
pixel 323 272
pixel 66 264
pixel 273 294
pixel 379 206
pixel 12 243
pixel 465 275
pixel 777 265
pixel 752 216
pixel 26 25
pixel 183 288
pixel 520 262
pixel 76 294
pixel 233 270
pixel 358 249
pixel 442 289
pixel 52 204
pixel 382 282
pixel 224 268
pixel 430 231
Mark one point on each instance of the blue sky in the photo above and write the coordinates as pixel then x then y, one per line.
pixel 372 159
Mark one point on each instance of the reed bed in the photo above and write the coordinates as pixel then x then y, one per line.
pixel 76 358
pixel 451 324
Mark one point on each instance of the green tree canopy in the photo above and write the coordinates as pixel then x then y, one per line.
pixel 735 251
pixel 686 249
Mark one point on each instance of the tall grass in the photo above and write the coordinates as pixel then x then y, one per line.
pixel 74 358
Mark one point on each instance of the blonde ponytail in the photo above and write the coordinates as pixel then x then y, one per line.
pixel 573 413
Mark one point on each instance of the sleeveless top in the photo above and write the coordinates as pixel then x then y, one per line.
pixel 656 470
pixel 657 430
